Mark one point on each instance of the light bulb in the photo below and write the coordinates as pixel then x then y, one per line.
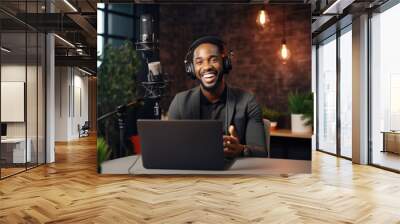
pixel 262 18
pixel 284 52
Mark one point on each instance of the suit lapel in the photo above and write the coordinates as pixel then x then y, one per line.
pixel 230 105
pixel 195 104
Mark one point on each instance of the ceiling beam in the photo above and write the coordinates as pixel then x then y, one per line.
pixel 90 31
pixel 81 61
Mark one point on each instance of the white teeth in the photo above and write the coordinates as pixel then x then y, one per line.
pixel 209 75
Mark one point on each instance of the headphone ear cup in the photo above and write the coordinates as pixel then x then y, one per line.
pixel 227 64
pixel 189 68
pixel 192 72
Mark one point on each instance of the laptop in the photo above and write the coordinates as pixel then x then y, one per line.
pixel 3 131
pixel 182 144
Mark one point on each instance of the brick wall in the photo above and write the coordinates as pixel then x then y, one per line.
pixel 256 65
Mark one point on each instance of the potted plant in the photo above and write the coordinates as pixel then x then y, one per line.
pixel 300 106
pixel 116 85
pixel 103 152
pixel 272 116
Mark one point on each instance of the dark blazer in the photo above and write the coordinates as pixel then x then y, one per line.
pixel 243 112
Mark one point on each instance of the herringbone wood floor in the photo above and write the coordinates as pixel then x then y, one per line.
pixel 70 191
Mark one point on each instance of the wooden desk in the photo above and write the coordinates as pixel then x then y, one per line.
pixel 286 144
pixel 242 166
pixel 288 133
pixel 391 141
pixel 13 150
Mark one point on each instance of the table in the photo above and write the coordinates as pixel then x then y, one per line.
pixel 288 133
pixel 391 141
pixel 242 166
pixel 13 150
pixel 286 144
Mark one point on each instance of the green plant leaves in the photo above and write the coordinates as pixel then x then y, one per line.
pixel 116 85
pixel 302 103
pixel 270 114
pixel 117 76
pixel 103 151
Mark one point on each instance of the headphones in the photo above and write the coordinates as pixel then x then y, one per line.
pixel 226 59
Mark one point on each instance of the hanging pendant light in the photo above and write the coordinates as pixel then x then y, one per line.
pixel 263 18
pixel 284 52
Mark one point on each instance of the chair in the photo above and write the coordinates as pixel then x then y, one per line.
pixel 84 130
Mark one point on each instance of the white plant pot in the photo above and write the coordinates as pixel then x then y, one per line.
pixel 271 125
pixel 298 124
pixel 274 124
pixel 267 123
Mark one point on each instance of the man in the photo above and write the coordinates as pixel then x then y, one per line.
pixel 213 99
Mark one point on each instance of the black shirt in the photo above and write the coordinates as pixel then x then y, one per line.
pixel 213 111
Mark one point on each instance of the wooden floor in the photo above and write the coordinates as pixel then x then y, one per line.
pixel 387 159
pixel 10 171
pixel 70 191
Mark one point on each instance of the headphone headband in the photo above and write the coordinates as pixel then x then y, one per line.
pixel 208 39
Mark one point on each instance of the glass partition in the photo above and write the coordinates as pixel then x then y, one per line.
pixel 14 151
pixel 385 89
pixel 22 89
pixel 346 93
pixel 327 95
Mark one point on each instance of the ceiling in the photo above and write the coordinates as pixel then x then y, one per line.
pixel 207 1
pixel 79 27
pixel 75 23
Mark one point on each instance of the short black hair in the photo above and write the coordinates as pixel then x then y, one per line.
pixel 208 39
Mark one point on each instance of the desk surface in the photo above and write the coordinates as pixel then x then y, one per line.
pixel 288 133
pixel 13 140
pixel 391 132
pixel 243 166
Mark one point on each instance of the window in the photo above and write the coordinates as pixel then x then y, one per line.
pixel 327 95
pixel 346 93
pixel 115 23
pixel 385 87
pixel 100 30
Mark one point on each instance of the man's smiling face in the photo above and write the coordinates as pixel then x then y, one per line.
pixel 207 61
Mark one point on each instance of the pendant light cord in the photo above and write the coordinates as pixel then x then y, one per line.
pixel 284 24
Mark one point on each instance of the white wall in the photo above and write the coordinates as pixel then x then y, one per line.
pixel 33 127
pixel 12 73
pixel 71 94
pixel 61 103
pixel 16 73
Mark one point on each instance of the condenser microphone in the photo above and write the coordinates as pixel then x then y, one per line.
pixel 156 81
pixel 146 28
pixel 155 85
pixel 154 71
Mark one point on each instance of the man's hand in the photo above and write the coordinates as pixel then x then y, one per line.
pixel 232 146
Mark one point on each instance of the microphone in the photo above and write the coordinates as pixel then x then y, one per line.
pixel 155 73
pixel 156 81
pixel 146 28
pixel 155 85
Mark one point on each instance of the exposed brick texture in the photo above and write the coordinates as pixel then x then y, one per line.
pixel 256 65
